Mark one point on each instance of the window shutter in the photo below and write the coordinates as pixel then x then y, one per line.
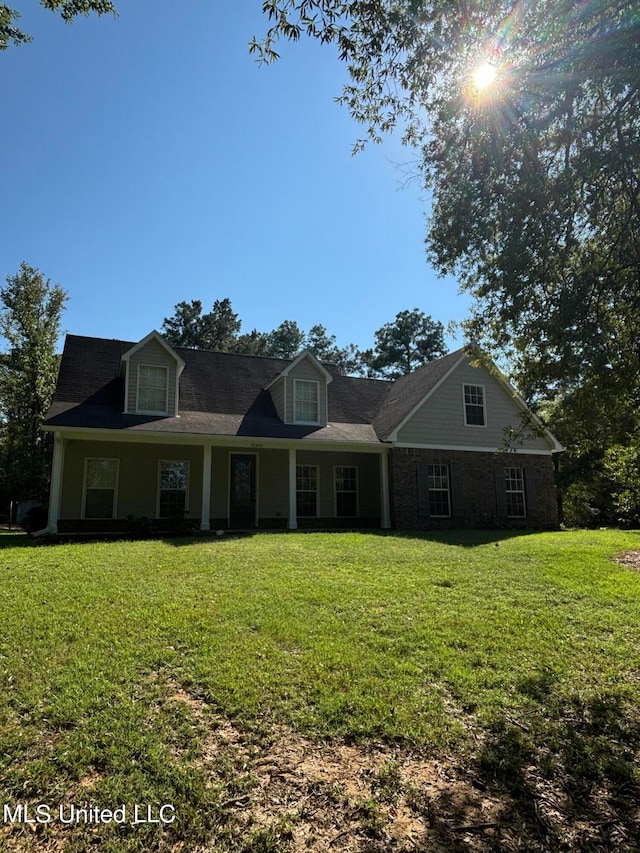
pixel 501 492
pixel 529 491
pixel 455 484
pixel 423 489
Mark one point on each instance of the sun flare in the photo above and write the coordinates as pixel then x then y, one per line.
pixel 484 75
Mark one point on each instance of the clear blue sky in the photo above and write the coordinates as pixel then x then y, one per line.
pixel 148 159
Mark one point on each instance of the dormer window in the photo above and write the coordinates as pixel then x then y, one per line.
pixel 306 401
pixel 153 389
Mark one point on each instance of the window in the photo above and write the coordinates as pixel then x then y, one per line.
pixel 100 486
pixel 438 484
pixel 514 488
pixel 152 389
pixel 307 491
pixel 346 491
pixel 174 478
pixel 474 410
pixel 306 408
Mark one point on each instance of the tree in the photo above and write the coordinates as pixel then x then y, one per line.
pixel 286 341
pixel 68 9
pixel 410 341
pixel 534 168
pixel 189 327
pixel 30 323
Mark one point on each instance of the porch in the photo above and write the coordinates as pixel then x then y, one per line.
pixel 112 484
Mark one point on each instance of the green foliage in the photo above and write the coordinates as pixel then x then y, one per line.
pixel 622 466
pixel 287 340
pixel 410 341
pixel 189 327
pixel 30 323
pixel 68 9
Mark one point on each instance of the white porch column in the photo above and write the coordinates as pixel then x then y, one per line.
pixel 55 492
pixel 206 489
pixel 293 515
pixel 384 490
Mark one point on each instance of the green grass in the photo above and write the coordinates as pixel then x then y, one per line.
pixel 503 650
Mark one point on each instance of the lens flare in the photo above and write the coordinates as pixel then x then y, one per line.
pixel 484 75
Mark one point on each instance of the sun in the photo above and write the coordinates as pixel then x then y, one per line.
pixel 484 75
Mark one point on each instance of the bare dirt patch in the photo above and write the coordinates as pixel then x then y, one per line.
pixel 629 558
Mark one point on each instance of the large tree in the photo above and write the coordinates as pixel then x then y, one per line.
pixel 68 9
pixel 526 117
pixel 410 341
pixel 30 323
pixel 189 327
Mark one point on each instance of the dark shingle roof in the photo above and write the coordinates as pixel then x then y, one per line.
pixel 220 393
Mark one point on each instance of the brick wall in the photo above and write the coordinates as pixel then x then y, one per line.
pixel 476 473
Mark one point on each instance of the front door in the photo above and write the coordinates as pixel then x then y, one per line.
pixel 242 496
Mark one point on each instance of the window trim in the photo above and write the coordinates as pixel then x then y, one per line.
pixel 466 385
pixel 162 462
pixel 165 411
pixel 522 491
pixel 83 506
pixel 308 491
pixel 295 386
pixel 431 465
pixel 349 492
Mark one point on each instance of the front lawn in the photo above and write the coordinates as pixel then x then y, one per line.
pixel 163 672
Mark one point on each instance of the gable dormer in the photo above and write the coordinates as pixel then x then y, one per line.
pixel 152 377
pixel 300 392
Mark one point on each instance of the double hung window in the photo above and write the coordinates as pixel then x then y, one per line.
pixel 153 385
pixel 306 401
pixel 100 487
pixel 474 405
pixel 439 492
pixel 174 481
pixel 346 480
pixel 514 489
pixel 307 491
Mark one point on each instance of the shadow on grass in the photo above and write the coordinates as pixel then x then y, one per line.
pixel 469 538
pixel 564 780
pixel 462 538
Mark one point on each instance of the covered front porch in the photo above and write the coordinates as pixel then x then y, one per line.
pixel 114 484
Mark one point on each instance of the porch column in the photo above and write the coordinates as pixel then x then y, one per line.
pixel 56 483
pixel 293 516
pixel 206 489
pixel 384 490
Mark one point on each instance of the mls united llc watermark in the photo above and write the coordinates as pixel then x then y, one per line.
pixel 42 814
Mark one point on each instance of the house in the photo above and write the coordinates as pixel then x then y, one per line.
pixel 236 441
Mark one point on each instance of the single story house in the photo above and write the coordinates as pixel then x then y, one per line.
pixel 146 430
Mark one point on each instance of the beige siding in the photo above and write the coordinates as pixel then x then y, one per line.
pixel 219 482
pixel 306 370
pixel 155 355
pixel 368 466
pixel 440 420
pixel 277 395
pixel 273 484
pixel 138 476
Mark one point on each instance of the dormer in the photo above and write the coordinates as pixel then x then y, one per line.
pixel 299 393
pixel 152 377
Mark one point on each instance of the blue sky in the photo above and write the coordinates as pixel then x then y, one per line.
pixel 148 159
